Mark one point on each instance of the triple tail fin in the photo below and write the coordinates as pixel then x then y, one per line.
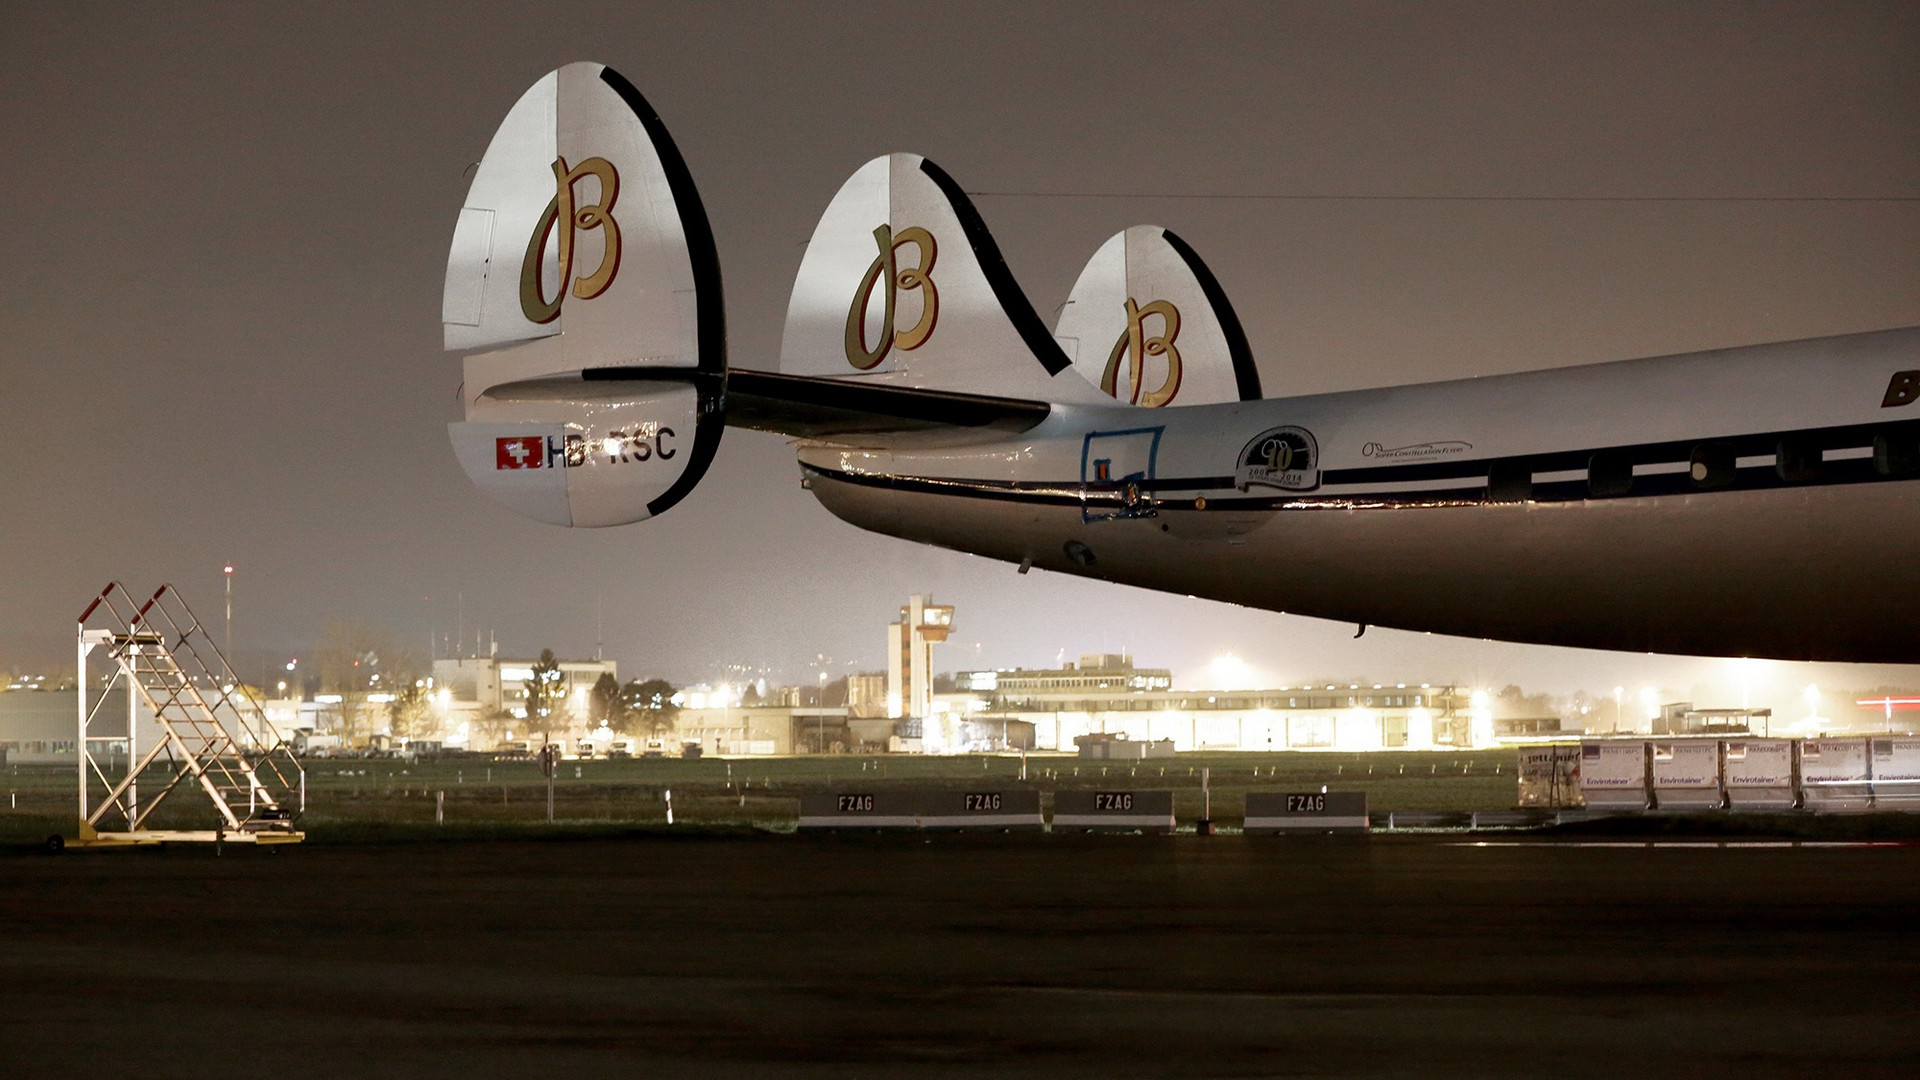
pixel 1148 324
pixel 903 286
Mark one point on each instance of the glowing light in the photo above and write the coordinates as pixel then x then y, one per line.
pixel 1356 729
pixel 1419 730
pixel 1480 719
pixel 1229 672
pixel 611 445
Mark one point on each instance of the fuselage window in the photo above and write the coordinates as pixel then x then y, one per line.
pixel 1896 452
pixel 1712 465
pixel 1796 462
pixel 1609 473
pixel 1509 481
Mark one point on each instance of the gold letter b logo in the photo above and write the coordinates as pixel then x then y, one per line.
pixel 1136 345
pixel 888 274
pixel 565 217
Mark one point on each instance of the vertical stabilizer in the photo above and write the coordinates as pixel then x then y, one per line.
pixel 1149 325
pixel 583 275
pixel 902 284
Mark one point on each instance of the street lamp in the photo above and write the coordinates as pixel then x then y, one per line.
pixel 228 573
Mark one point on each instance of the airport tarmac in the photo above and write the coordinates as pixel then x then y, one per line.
pixel 1026 956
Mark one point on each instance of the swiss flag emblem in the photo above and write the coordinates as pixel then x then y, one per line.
pixel 520 452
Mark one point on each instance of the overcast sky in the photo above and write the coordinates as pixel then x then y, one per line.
pixel 226 229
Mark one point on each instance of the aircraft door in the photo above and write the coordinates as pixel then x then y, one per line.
pixel 1117 474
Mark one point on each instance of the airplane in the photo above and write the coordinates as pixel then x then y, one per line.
pixel 1758 501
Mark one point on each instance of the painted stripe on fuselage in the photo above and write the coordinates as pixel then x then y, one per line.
pixel 1659 469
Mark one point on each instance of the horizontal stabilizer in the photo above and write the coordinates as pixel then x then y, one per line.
pixel 795 405
pixel 818 408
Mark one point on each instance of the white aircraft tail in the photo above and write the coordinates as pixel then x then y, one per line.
pixel 583 276
pixel 1148 324
pixel 902 285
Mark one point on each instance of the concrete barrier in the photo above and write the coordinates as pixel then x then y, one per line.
pixel 921 808
pixel 998 810
pixel 1273 812
pixel 860 808
pixel 1113 811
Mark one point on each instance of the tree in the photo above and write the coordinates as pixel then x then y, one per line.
pixel 648 707
pixel 547 697
pixel 357 660
pixel 489 728
pixel 604 703
pixel 1513 703
pixel 410 713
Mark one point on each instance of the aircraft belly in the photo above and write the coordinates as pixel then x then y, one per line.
pixel 1794 573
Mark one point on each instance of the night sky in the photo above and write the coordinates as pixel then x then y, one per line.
pixel 226 229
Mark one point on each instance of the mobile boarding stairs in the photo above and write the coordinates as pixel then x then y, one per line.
pixel 213 735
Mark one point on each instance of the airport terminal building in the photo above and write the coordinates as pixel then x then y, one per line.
pixel 1106 695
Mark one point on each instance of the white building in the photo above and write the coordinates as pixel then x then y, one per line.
pixel 468 689
pixel 910 642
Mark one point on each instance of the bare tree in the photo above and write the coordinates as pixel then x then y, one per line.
pixel 357 660
pixel 489 728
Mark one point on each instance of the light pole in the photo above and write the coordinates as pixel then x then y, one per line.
pixel 229 645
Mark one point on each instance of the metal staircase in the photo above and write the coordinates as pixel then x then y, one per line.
pixel 213 735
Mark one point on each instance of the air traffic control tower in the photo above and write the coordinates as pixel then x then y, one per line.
pixel 910 642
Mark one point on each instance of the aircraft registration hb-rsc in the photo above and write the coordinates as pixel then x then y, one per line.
pixel 1756 501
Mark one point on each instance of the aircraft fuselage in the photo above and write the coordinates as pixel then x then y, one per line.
pixel 1756 501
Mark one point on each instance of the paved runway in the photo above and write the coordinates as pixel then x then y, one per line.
pixel 1040 956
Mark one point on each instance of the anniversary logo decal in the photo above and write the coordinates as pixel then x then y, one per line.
pixel 1284 457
